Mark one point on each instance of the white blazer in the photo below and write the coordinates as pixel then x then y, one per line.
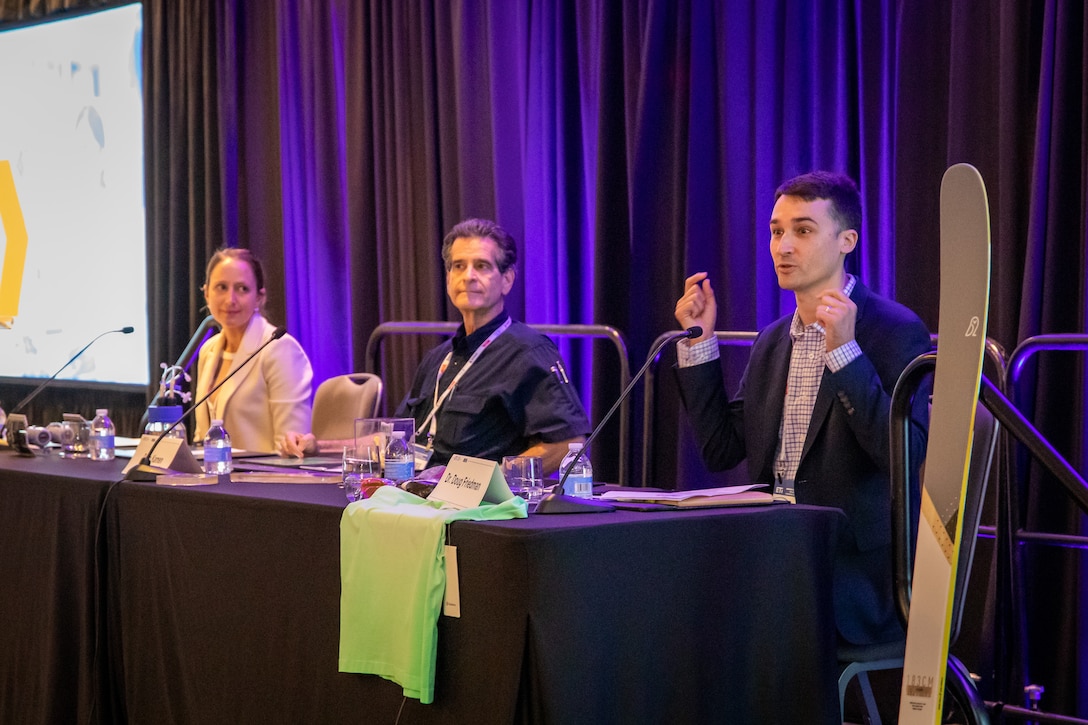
pixel 269 397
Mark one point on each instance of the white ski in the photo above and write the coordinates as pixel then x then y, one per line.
pixel 961 342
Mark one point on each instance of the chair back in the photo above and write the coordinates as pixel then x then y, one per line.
pixel 340 400
pixel 905 501
pixel 983 446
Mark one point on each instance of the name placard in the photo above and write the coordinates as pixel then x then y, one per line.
pixel 468 481
pixel 172 454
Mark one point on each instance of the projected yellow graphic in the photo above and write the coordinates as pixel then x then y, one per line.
pixel 11 275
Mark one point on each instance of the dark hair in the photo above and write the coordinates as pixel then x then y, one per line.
pixel 839 189
pixel 237 254
pixel 484 229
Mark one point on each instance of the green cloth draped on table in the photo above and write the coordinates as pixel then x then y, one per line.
pixel 392 579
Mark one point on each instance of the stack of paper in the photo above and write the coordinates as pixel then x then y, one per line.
pixel 697 498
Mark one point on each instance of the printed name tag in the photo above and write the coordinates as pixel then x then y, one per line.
pixel 171 453
pixel 469 481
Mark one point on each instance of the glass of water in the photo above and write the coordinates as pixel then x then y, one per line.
pixel 525 476
pixel 360 463
pixel 75 437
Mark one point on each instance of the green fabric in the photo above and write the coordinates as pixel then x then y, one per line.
pixel 392 579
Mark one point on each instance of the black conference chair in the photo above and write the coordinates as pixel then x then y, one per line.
pixel 858 661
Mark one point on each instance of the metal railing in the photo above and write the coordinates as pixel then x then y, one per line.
pixel 604 332
pixel 1010 531
pixel 725 337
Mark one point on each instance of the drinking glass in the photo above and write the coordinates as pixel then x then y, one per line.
pixel 75 437
pixel 525 476
pixel 360 463
pixel 377 432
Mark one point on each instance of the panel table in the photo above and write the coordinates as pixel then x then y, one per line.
pixel 221 604
pixel 227 609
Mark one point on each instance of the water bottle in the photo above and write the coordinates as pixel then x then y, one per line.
pixel 580 480
pixel 400 463
pixel 161 417
pixel 102 432
pixel 217 450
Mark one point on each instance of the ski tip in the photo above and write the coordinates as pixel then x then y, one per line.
pixel 965 208
pixel 962 173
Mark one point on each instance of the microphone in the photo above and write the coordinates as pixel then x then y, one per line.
pixel 33 394
pixel 558 502
pixel 188 355
pixel 147 473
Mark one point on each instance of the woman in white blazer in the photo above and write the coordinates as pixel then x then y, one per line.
pixel 271 395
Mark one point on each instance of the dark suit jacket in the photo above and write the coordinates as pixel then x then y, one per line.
pixel 845 460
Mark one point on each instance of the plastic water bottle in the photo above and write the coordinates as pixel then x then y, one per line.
pixel 580 480
pixel 217 449
pixel 400 463
pixel 102 432
pixel 161 417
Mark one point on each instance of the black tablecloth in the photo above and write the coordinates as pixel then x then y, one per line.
pixel 221 604
pixel 49 611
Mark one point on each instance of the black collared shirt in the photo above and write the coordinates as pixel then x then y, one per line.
pixel 516 394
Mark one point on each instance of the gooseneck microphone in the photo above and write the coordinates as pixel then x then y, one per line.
pixel 188 355
pixel 186 358
pixel 147 473
pixel 34 393
pixel 558 502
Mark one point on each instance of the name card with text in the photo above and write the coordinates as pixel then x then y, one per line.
pixel 171 453
pixel 468 481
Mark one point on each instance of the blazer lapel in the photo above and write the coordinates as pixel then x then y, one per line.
pixel 250 342
pixel 778 362
pixel 820 411
pixel 825 396
pixel 206 372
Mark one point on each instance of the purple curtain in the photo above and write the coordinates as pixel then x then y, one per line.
pixel 624 145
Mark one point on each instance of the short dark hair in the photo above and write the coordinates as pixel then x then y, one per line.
pixel 484 229
pixel 839 189
pixel 238 254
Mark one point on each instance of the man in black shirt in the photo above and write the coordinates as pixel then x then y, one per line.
pixel 498 388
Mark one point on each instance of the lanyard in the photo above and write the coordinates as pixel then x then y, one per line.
pixel 432 417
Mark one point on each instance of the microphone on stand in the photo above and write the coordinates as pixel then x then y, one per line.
pixel 34 393
pixel 188 355
pixel 15 428
pixel 558 502
pixel 147 473
pixel 186 358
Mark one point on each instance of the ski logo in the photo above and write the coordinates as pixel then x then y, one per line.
pixel 920 686
pixel 972 327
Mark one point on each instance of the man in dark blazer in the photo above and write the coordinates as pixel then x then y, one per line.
pixel 811 414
